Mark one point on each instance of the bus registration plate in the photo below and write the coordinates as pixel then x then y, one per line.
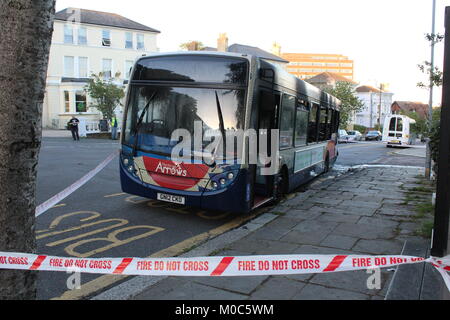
pixel 170 198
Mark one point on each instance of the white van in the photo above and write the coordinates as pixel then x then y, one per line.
pixel 396 130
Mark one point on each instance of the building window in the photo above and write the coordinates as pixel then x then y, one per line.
pixel 82 36
pixel 128 40
pixel 106 38
pixel 69 67
pixel 66 101
pixel 140 42
pixel 80 101
pixel 107 68
pixel 68 34
pixel 82 67
pixel 128 65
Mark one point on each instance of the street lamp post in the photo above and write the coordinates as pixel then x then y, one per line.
pixel 430 103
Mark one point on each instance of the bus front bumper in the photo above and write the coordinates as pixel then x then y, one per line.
pixel 234 198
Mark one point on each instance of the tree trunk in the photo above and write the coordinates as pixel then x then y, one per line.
pixel 26 28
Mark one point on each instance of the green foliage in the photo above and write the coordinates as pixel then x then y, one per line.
pixel 434 136
pixel 434 74
pixel 192 45
pixel 360 128
pixel 105 94
pixel 345 91
pixel 421 125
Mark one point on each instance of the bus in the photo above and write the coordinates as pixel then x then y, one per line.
pixel 222 93
pixel 397 130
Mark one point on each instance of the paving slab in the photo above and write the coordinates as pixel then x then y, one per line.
pixel 281 287
pixel 317 292
pixel 364 231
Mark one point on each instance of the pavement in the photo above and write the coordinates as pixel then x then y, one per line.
pixel 49 133
pixel 357 211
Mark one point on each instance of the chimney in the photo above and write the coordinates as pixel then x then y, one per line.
pixel 276 49
pixel 222 43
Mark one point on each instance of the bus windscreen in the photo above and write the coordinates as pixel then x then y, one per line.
pixel 164 109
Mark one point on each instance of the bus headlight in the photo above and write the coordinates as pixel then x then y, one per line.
pixel 131 169
pixel 223 180
pixel 126 162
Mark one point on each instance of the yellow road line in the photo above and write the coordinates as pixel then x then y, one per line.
pixel 357 144
pixel 115 195
pixel 59 205
pixel 104 281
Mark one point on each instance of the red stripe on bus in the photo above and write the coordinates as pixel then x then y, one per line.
pixel 222 266
pixel 335 263
pixel 121 267
pixel 37 263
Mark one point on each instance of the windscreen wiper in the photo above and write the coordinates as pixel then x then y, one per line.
pixel 139 123
pixel 221 125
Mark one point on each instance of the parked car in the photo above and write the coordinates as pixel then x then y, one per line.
pixel 354 135
pixel 342 136
pixel 374 135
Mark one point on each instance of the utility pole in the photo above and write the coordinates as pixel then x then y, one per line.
pixel 430 103
pixel 379 107
pixel 371 110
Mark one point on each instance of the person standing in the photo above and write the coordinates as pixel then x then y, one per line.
pixel 73 126
pixel 114 126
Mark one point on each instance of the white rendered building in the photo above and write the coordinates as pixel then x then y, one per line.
pixel 369 115
pixel 88 42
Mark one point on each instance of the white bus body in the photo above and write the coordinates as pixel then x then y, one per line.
pixel 396 130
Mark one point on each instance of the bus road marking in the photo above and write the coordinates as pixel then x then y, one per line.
pixel 104 281
pixel 59 205
pixel 112 238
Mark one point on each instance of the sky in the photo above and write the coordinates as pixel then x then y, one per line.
pixel 385 38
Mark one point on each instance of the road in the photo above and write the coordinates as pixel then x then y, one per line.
pixel 374 152
pixel 98 220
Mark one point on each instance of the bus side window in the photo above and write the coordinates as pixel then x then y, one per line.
pixel 335 126
pixel 301 125
pixel 312 124
pixel 323 124
pixel 329 124
pixel 287 121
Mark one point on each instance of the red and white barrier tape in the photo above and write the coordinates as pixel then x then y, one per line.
pixel 72 188
pixel 216 266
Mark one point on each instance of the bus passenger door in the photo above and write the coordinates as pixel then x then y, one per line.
pixel 267 119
